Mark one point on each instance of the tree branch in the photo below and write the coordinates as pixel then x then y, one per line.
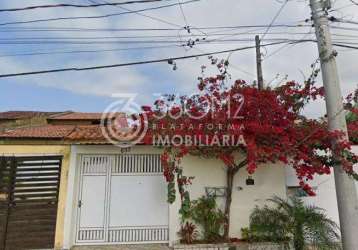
pixel 239 166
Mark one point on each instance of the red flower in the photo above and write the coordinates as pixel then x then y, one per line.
pixel 227 159
pixel 270 123
pixel 146 108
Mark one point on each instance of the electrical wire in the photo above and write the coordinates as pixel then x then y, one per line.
pixel 286 46
pixel 80 29
pixel 61 5
pixel 129 64
pixel 86 51
pixel 343 28
pixel 164 41
pixel 182 13
pixel 225 35
pixel 345 46
pixel 143 15
pixel 274 19
pixel 95 17
pixel 341 20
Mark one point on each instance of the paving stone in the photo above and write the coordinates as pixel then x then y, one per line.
pixel 124 247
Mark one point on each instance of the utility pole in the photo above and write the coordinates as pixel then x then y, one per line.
pixel 345 187
pixel 260 78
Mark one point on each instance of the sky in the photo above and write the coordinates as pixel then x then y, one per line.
pixel 92 91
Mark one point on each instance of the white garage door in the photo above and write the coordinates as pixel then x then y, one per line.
pixel 122 199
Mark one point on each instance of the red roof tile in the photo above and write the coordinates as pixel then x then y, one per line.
pixel 65 132
pixel 92 134
pixel 76 116
pixel 86 133
pixel 39 132
pixel 70 133
pixel 12 115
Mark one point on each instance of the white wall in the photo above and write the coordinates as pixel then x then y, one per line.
pixel 326 190
pixel 269 181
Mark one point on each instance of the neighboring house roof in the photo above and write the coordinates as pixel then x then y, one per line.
pixel 14 115
pixel 71 133
pixel 76 116
pixel 70 127
pixel 75 131
pixel 39 132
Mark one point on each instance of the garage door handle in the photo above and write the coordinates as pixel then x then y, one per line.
pixel 80 204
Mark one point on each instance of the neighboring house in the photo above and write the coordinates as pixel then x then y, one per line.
pixel 325 191
pixel 107 195
pixel 12 116
pixel 28 218
pixel 75 118
pixel 11 119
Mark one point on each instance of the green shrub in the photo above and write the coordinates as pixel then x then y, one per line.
pixel 205 213
pixel 305 226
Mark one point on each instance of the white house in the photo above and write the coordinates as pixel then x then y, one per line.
pixel 120 198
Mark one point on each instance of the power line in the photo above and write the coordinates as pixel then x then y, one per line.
pixel 87 51
pixel 341 20
pixel 274 18
pixel 156 18
pixel 213 41
pixel 155 36
pixel 230 64
pixel 79 29
pixel 182 13
pixel 343 28
pixel 151 17
pixel 125 49
pixel 61 5
pixel 129 64
pixel 286 46
pixel 345 46
pixel 95 17
pixel 143 15
pixel 97 51
pixel 340 8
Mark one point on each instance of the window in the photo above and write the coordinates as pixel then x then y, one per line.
pixel 297 191
pixel 216 191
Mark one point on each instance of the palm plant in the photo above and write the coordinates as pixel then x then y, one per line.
pixel 307 227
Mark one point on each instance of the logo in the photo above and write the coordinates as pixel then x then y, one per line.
pixel 122 123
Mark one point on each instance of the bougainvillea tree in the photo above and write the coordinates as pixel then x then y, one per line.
pixel 245 128
pixel 351 106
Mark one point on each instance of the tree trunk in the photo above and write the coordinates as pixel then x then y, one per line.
pixel 230 174
pixel 229 184
pixel 298 239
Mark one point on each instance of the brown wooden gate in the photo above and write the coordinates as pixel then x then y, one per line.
pixel 29 189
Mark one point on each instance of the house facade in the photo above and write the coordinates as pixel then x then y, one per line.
pixel 325 189
pixel 108 196
pixel 121 198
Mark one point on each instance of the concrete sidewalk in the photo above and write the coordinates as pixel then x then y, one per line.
pixel 125 247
